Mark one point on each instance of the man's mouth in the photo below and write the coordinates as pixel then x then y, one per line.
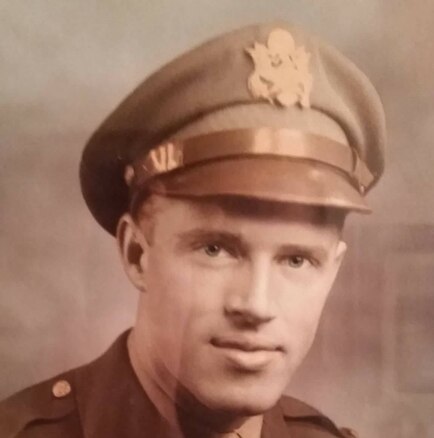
pixel 248 353
pixel 245 343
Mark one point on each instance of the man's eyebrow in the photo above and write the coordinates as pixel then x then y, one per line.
pixel 317 251
pixel 203 234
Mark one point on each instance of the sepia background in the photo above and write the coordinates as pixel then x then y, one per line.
pixel 63 296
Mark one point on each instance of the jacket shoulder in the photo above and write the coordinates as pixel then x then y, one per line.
pixel 46 409
pixel 307 421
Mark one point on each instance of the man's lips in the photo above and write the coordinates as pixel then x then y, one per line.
pixel 247 353
pixel 245 343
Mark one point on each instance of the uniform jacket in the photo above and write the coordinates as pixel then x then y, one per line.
pixel 104 399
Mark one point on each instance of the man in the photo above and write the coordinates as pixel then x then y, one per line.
pixel 226 177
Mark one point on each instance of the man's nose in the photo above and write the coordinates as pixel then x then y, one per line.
pixel 250 299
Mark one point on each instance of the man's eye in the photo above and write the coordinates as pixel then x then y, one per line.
pixel 296 261
pixel 213 250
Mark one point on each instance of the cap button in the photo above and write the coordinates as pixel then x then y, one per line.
pixel 61 389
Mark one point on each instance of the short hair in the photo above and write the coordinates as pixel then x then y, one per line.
pixel 143 209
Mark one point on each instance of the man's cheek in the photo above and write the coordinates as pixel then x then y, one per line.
pixel 301 326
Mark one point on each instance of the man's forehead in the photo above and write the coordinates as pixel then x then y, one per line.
pixel 217 208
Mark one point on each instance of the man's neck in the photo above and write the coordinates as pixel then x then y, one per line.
pixel 164 401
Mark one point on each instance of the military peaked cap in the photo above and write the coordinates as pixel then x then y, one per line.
pixel 266 111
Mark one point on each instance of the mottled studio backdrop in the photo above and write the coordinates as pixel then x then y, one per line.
pixel 65 64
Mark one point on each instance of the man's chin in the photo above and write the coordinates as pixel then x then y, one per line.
pixel 251 408
pixel 235 397
pixel 242 403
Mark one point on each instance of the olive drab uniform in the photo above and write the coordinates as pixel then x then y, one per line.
pixel 104 399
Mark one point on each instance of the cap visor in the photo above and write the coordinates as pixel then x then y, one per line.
pixel 266 178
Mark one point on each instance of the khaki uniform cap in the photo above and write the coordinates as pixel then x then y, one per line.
pixel 266 112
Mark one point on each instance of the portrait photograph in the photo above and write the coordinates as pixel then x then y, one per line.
pixel 217 219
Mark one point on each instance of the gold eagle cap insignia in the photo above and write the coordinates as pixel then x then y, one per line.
pixel 281 72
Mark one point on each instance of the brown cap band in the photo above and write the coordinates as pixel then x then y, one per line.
pixel 230 144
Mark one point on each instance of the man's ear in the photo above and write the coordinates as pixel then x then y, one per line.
pixel 133 249
pixel 341 249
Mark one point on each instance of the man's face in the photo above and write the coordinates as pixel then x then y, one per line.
pixel 234 293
